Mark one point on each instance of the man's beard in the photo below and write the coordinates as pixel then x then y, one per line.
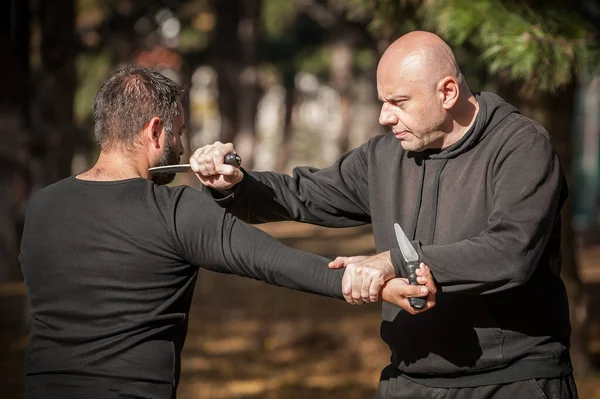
pixel 170 156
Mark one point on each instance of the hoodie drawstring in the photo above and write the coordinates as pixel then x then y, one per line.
pixel 413 229
pixel 434 201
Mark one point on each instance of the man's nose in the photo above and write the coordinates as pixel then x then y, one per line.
pixel 386 117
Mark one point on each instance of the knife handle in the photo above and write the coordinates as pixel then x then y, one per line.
pixel 232 159
pixel 415 302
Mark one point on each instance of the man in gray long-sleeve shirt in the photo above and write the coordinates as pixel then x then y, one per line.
pixel 110 258
pixel 478 188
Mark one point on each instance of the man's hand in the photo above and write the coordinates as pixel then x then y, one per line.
pixel 398 290
pixel 364 276
pixel 211 170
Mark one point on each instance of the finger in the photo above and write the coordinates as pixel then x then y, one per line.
pixel 416 291
pixel 422 280
pixel 356 284
pixel 193 160
pixel 424 270
pixel 365 289
pixel 226 170
pixel 375 289
pixel 196 160
pixel 219 153
pixel 431 286
pixel 209 165
pixel 339 262
pixel 347 287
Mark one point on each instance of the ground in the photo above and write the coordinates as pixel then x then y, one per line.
pixel 250 340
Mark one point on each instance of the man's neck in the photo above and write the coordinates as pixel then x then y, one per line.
pixel 113 166
pixel 465 115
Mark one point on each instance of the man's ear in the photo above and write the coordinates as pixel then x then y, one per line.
pixel 449 91
pixel 153 131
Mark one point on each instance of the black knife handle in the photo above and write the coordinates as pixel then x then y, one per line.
pixel 416 302
pixel 233 159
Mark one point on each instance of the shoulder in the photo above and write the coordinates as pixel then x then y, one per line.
pixel 516 130
pixel 45 194
pixel 173 196
pixel 522 126
pixel 183 198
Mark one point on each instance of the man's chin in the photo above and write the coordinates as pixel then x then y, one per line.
pixel 406 145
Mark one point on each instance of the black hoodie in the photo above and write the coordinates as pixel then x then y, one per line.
pixel 484 215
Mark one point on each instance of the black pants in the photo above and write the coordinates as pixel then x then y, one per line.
pixel 76 387
pixel 556 388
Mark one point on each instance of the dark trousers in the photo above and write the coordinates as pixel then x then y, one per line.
pixel 555 388
pixel 52 386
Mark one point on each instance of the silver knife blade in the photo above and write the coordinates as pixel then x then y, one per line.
pixel 408 251
pixel 181 168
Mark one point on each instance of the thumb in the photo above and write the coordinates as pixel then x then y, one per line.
pixel 227 170
pixel 339 262
pixel 415 290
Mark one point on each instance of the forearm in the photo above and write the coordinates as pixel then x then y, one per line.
pixel 269 260
pixel 316 196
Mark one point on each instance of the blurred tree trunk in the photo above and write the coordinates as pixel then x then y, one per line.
pixel 285 152
pixel 249 33
pixel 53 134
pixel 236 60
pixel 555 112
pixel 342 53
pixel 227 62
pixel 14 132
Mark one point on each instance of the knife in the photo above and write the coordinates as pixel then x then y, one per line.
pixel 230 159
pixel 412 264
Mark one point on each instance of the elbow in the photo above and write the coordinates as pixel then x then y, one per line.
pixel 520 273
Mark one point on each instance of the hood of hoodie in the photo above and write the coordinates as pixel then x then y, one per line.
pixel 492 110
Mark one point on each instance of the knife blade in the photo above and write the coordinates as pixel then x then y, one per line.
pixel 230 159
pixel 411 257
pixel 181 168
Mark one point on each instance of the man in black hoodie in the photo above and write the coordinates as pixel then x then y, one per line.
pixel 479 188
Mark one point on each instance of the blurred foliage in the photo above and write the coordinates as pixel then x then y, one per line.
pixel 91 71
pixel 546 46
pixel 277 15
pixel 388 19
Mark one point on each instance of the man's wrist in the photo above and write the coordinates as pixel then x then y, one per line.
pixel 223 193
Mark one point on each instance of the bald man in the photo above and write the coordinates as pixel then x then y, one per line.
pixel 478 188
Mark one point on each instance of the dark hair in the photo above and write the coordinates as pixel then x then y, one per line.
pixel 128 100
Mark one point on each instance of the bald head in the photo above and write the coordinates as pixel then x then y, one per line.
pixel 426 101
pixel 421 56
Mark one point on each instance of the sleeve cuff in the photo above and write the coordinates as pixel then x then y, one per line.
pixel 227 197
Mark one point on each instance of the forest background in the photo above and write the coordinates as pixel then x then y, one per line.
pixel 290 82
